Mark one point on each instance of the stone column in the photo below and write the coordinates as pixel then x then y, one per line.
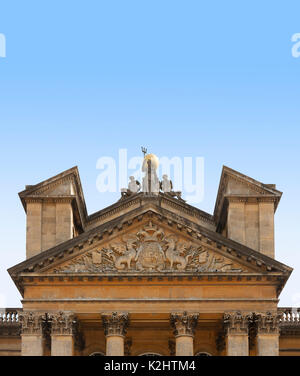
pixel 62 333
pixel 267 334
pixel 32 333
pixel 184 325
pixel 115 325
pixel 236 332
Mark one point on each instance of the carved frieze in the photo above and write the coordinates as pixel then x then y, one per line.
pixel 184 324
pixel 149 250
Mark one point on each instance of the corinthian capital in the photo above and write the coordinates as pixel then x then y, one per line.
pixel 268 323
pixel 31 322
pixel 184 324
pixel 115 323
pixel 236 323
pixel 62 323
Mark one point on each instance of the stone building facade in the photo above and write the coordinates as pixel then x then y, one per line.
pixel 150 274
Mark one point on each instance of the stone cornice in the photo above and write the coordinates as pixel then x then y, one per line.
pixel 114 209
pixel 172 277
pixel 50 199
pixel 188 209
pixel 142 199
pixel 153 301
pixel 250 199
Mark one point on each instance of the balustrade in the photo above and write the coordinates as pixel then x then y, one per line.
pixel 9 315
pixel 290 315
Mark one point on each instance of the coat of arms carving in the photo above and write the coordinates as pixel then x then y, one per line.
pixel 150 255
pixel 149 250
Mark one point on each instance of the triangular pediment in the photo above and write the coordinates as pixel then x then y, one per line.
pixel 236 184
pixel 65 184
pixel 151 248
pixel 65 187
pixel 150 243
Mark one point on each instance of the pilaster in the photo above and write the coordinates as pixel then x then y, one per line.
pixel 32 333
pixel 62 333
pixel 236 331
pixel 267 333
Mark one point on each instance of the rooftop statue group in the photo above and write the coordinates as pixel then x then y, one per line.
pixel 150 183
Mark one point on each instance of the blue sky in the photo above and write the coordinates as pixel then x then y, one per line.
pixel 184 78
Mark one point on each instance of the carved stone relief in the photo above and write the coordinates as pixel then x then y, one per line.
pixel 184 324
pixel 236 322
pixel 32 322
pixel 115 323
pixel 149 250
pixel 267 323
pixel 63 323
